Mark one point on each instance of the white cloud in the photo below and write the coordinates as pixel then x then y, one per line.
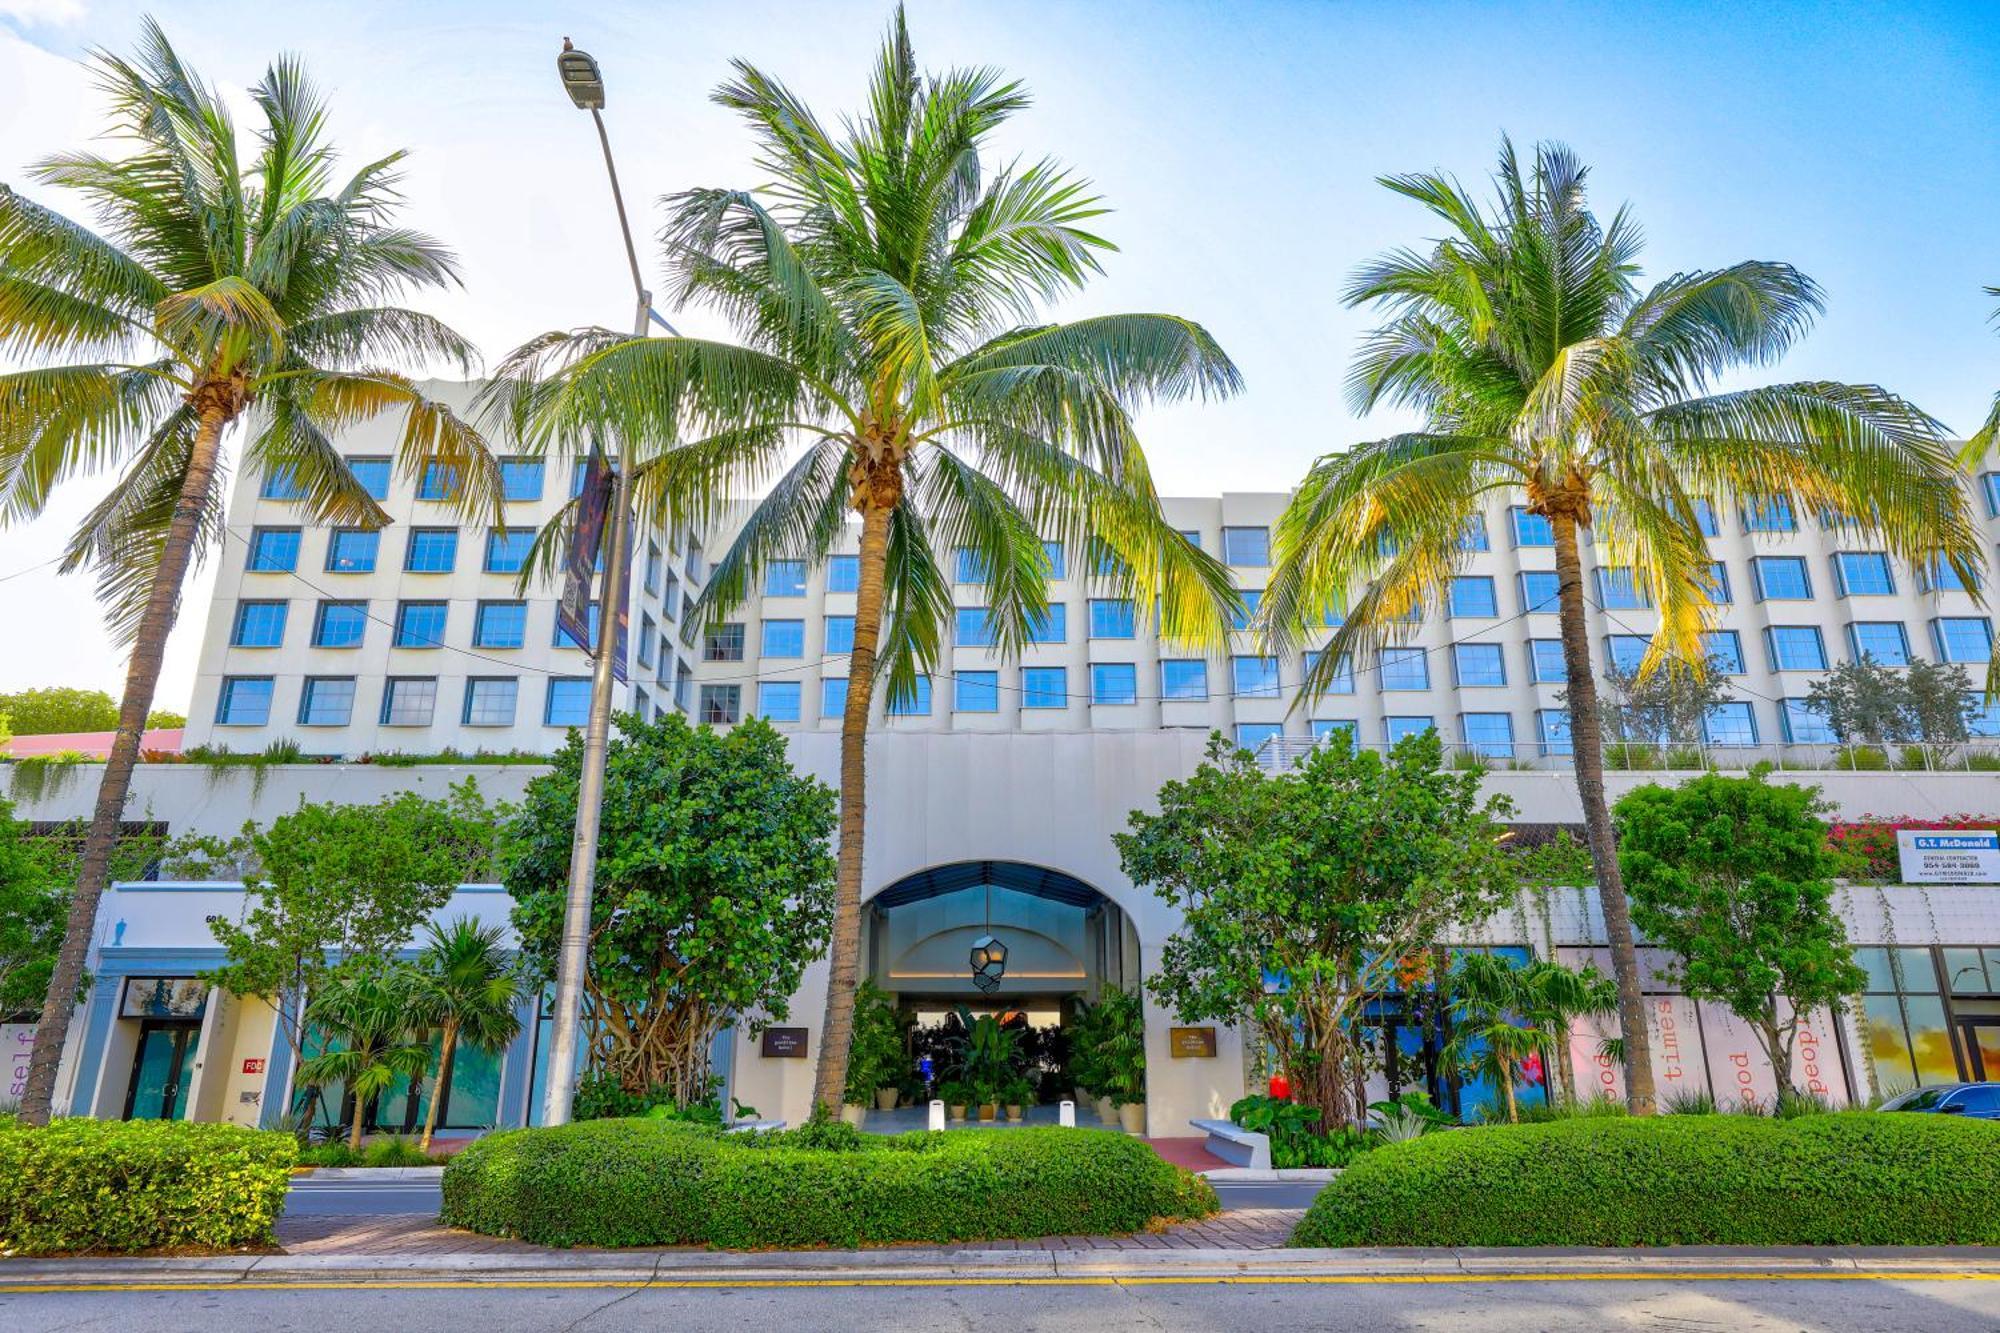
pixel 42 13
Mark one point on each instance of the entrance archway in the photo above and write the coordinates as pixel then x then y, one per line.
pixel 1064 942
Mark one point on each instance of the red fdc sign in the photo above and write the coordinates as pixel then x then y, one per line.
pixel 253 1066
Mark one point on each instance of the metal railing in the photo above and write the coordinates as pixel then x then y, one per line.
pixel 1280 753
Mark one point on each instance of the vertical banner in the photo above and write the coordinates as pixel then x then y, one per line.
pixel 586 538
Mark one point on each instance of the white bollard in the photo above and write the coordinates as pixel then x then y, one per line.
pixel 1066 1115
pixel 937 1115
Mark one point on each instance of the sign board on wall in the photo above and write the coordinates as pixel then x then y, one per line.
pixel 253 1065
pixel 784 1044
pixel 1191 1043
pixel 1949 856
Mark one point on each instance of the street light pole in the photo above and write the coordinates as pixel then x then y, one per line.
pixel 585 85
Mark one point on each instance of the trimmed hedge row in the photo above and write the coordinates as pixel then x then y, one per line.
pixel 652 1182
pixel 109 1185
pixel 1852 1178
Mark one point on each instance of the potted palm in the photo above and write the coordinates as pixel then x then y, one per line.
pixel 465 987
pixel 1122 1051
pixel 956 1096
pixel 875 1054
pixel 1017 1095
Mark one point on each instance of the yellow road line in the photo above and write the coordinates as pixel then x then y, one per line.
pixel 1080 1280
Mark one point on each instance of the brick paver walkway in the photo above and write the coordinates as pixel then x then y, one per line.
pixel 404 1233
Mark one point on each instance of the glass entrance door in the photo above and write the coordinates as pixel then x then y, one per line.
pixel 1982 1047
pixel 162 1070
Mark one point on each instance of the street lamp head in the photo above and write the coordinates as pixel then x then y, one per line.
pixel 582 79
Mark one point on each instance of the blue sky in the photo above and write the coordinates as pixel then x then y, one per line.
pixel 1237 143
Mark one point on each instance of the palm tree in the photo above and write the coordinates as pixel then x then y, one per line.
pixel 465 987
pixel 1491 1030
pixel 212 286
pixel 1543 369
pixel 370 1015
pixel 1553 997
pixel 886 287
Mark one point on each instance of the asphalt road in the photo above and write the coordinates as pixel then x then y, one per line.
pixel 1742 1306
pixel 317 1197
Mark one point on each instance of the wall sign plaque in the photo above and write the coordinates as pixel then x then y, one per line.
pixel 1191 1043
pixel 783 1044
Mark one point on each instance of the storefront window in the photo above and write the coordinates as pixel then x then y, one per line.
pixel 1909 1040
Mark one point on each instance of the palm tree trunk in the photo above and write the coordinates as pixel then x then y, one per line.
pixel 354 1131
pixel 1559 1052
pixel 837 1029
pixel 1587 746
pixel 1507 1082
pixel 142 677
pixel 445 1046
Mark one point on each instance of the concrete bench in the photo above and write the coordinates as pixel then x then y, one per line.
pixel 754 1126
pixel 1235 1144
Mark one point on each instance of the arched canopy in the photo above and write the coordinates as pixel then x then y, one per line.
pixel 1038 881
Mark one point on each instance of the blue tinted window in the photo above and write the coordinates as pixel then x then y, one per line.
pixel 1253 598
pixel 1796 648
pixel 1937 576
pixel 1716 585
pixel 1982 719
pixel 839 635
pixel 568 702
pixel 340 625
pixel 1773 515
pixel 1472 595
pixel 1991 485
pixel 1052 627
pixel 1323 728
pixel 1044 687
pixel 1478 664
pixel 1704 514
pixel 1863 574
pixel 973 627
pixel 1184 678
pixel 245 701
pixel 1342 680
pixel 1531 529
pixel 785 578
pixel 1884 640
pixel 500 625
pixel 373 474
pixel 507 549
pixel 259 625
pixel 593 620
pixel 1804 724
pixel 274 550
pixel 1255 677
pixel 976 692
pixel 1114 683
pixel 521 479
pixel 833 697
pixel 1618 590
pixel 409 701
pixel 1250 547
pixel 779 700
pixel 281 483
pixel 1489 734
pixel 1963 638
pixel 1474 537
pixel 971 569
pixel 1405 669
pixel 1552 726
pixel 1624 652
pixel 439 481
pixel 1058 561
pixel 1724 651
pixel 432 551
pixel 1730 724
pixel 784 638
pixel 1781 578
pixel 1111 618
pixel 918 704
pixel 1251 735
pixel 490 701
pixel 1539 590
pixel 1545 661
pixel 420 624
pixel 326 701
pixel 352 551
pixel 1395 729
pixel 843 573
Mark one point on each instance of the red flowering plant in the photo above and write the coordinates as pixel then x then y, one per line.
pixel 1867 845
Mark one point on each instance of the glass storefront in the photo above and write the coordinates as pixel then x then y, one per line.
pixel 1908 1031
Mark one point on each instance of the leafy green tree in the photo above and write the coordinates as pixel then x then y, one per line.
pixel 1659 707
pixel 1491 1032
pixel 877 1056
pixel 714 891
pixel 33 902
pixel 58 708
pixel 889 288
pixel 369 1029
pixel 338 886
pixel 1734 877
pixel 465 986
pixel 1329 875
pixel 221 277
pixel 1553 997
pixel 1542 368
pixel 1865 701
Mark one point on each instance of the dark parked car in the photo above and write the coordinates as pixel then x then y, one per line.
pixel 1978 1101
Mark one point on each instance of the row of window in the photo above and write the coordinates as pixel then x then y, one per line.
pixel 357 550
pixel 417 624
pixel 520 480
pixel 407 701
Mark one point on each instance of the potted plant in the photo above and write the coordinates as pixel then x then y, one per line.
pixel 956 1096
pixel 1083 1053
pixel 1017 1095
pixel 875 1054
pixel 1122 1051
pixel 988 1094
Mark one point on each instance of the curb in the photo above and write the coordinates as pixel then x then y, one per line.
pixel 830 1267
pixel 1243 1175
pixel 379 1174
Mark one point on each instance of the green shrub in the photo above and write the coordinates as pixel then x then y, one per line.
pixel 1851 1178
pixel 649 1182
pixel 108 1185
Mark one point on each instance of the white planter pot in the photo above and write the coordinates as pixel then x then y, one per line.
pixel 885 1099
pixel 1132 1117
pixel 854 1115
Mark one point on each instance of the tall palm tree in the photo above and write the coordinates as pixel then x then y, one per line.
pixel 372 1036
pixel 466 987
pixel 1543 369
pixel 217 288
pixel 1552 997
pixel 1492 1031
pixel 887 287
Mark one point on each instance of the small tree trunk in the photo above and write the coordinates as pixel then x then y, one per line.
pixel 445 1048
pixel 142 678
pixel 843 969
pixel 1779 1051
pixel 1565 1074
pixel 1507 1084
pixel 360 1114
pixel 1587 746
